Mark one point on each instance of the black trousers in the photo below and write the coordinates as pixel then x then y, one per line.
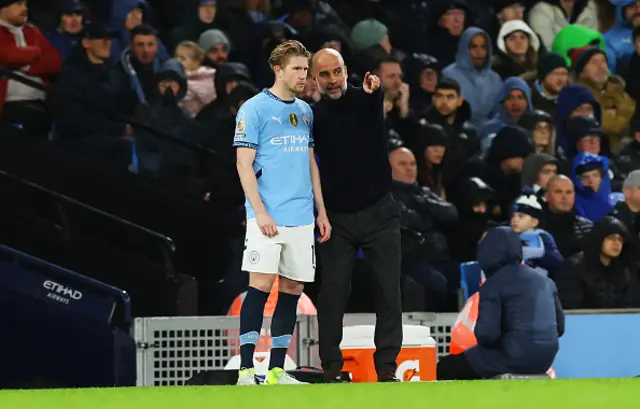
pixel 376 230
pixel 455 367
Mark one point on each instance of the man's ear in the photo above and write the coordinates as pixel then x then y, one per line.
pixel 536 223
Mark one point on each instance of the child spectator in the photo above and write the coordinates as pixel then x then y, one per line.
pixel 200 82
pixel 539 250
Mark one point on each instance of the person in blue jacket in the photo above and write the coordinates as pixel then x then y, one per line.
pixel 619 39
pixel 591 176
pixel 520 317
pixel 511 103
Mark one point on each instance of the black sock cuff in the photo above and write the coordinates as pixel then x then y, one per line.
pixel 288 299
pixel 257 293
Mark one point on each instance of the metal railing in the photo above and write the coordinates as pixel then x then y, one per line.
pixel 165 244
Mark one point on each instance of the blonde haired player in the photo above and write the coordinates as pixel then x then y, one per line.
pixel 280 179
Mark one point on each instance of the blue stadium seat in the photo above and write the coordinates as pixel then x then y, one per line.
pixel 470 275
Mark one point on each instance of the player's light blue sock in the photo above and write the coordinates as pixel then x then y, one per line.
pixel 282 326
pixel 251 316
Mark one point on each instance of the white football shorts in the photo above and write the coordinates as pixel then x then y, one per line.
pixel 291 254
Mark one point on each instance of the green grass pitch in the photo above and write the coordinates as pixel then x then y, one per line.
pixel 538 394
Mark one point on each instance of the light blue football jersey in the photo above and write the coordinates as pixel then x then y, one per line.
pixel 280 132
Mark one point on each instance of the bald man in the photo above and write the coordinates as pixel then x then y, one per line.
pixel 561 221
pixel 403 166
pixel 351 143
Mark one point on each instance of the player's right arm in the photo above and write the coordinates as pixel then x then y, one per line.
pixel 246 141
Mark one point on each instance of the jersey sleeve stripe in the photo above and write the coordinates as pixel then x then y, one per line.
pixel 245 144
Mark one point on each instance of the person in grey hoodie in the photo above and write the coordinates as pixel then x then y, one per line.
pixel 537 170
pixel 512 101
pixel 472 70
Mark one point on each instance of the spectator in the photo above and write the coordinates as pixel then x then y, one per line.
pixel 511 103
pixel 619 48
pixel 159 158
pixel 200 79
pixel 87 103
pixel 227 77
pixel 590 176
pixel 26 51
pixel 330 36
pixel 216 47
pixel 603 275
pixel 217 134
pixel 453 113
pixel 134 77
pixel 586 136
pixel 299 19
pixel 629 158
pixel 424 217
pixel 543 131
pixel 448 19
pixel 311 93
pixel 627 211
pixel 472 70
pixel 553 76
pixel 126 15
pixel 371 44
pixel 539 250
pixel 629 69
pixel 518 48
pixel 574 100
pixel 505 11
pixel 195 24
pixel 590 68
pixel 422 72
pixel 549 17
pixel 567 228
pixel 505 161
pixel 69 31
pixel 576 36
pixel 519 320
pixel 396 92
pixel 474 200
pixel 368 33
pixel 431 148
pixel 239 19
pixel 537 170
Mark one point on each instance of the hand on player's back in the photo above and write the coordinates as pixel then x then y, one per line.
pixel 266 224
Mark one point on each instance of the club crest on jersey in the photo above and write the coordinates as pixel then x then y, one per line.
pixel 241 125
pixel 305 119
pixel 293 118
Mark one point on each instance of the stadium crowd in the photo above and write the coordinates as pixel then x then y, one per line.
pixel 513 112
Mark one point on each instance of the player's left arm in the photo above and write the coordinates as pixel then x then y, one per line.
pixel 323 219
